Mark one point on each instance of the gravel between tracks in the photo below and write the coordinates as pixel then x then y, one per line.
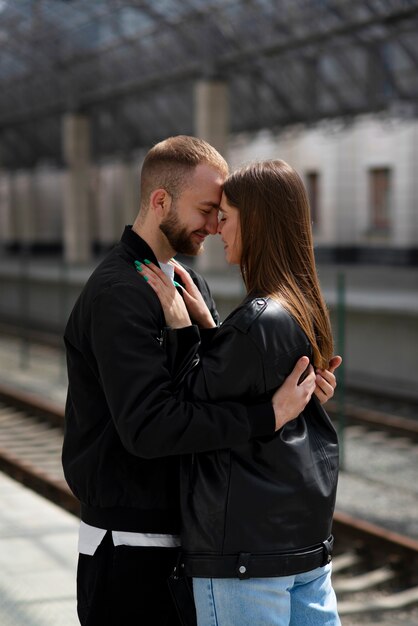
pixel 380 480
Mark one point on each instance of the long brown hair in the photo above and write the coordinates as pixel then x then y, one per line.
pixel 277 257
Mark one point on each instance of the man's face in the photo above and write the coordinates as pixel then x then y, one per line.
pixel 194 215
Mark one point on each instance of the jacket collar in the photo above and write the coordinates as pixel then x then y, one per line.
pixel 138 247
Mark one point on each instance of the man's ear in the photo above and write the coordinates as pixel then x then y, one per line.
pixel 160 202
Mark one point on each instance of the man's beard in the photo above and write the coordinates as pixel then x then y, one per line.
pixel 178 236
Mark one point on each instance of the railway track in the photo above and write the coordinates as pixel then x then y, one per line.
pixel 374 419
pixel 375 570
pixel 31 432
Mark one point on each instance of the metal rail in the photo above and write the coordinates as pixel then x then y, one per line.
pixel 400 426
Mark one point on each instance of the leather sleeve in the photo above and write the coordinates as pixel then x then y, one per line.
pixel 230 369
pixel 133 369
pixel 184 347
pixel 248 358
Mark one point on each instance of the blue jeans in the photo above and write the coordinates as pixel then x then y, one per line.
pixel 302 600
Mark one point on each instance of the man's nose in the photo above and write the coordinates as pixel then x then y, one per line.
pixel 212 223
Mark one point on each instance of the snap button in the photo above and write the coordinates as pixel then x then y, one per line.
pixel 243 565
pixel 260 302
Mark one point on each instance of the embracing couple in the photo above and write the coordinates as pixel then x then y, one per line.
pixel 194 445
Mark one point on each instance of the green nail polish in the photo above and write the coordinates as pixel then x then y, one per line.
pixel 139 267
pixel 145 277
pixel 147 261
pixel 176 284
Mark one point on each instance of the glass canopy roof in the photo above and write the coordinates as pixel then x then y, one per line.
pixel 131 66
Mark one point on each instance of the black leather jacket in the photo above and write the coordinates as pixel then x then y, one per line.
pixel 243 507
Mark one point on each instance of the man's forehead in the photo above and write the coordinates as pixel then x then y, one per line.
pixel 206 180
pixel 205 188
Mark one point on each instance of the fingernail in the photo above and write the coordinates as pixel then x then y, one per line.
pixel 176 284
pixel 144 277
pixel 139 267
pixel 147 261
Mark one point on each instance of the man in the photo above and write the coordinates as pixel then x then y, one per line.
pixel 124 428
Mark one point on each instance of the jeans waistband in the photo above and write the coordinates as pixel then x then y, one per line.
pixel 248 565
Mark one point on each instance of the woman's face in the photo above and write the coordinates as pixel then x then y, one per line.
pixel 230 231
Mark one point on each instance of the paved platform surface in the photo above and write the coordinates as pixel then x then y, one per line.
pixel 38 559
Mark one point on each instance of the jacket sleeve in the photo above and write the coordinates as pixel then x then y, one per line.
pixel 231 369
pixel 182 350
pixel 239 365
pixel 151 421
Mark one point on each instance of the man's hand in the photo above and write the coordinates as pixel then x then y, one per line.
pixel 291 398
pixel 326 381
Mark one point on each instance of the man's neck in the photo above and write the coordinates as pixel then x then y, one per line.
pixel 156 241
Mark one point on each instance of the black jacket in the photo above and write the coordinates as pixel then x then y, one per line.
pixel 121 418
pixel 252 502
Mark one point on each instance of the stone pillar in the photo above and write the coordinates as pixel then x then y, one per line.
pixel 77 222
pixel 106 209
pixel 414 187
pixel 130 193
pixel 7 234
pixel 24 206
pixel 212 124
pixel 212 113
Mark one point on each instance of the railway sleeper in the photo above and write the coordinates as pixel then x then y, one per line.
pixel 364 581
pixel 344 561
pixel 395 601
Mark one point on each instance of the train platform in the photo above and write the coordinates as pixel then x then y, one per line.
pixel 38 559
pixel 38 541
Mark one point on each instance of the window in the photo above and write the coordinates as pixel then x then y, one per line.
pixel 380 192
pixel 312 186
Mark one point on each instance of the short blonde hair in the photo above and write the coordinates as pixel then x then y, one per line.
pixel 169 163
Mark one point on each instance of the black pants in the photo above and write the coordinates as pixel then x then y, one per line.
pixel 124 585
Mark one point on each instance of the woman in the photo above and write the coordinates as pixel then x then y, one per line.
pixel 257 518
